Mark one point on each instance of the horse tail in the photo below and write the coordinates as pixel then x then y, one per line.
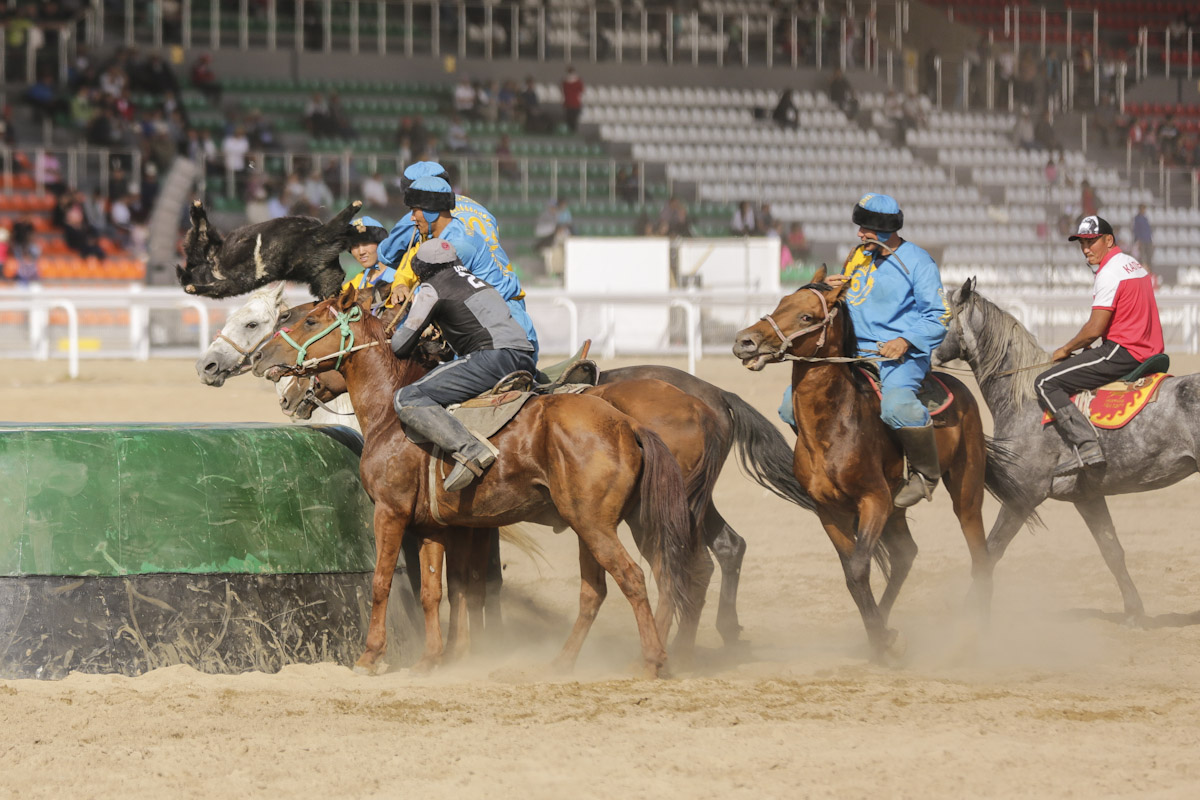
pixel 664 518
pixel 763 453
pixel 519 536
pixel 1001 479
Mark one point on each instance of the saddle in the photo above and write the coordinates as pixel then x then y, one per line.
pixel 933 393
pixel 1113 405
pixel 486 414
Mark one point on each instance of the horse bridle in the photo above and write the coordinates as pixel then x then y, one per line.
pixel 244 355
pixel 785 340
pixel 342 322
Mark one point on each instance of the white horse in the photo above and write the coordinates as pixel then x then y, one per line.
pixel 245 331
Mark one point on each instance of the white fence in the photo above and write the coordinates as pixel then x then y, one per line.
pixel 697 322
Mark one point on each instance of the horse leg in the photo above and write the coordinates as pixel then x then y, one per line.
pixel 592 590
pixel 432 556
pixel 729 548
pixel 902 551
pixel 855 554
pixel 684 646
pixel 390 523
pixel 1007 523
pixel 482 549
pixel 1099 522
pixel 458 568
pixel 495 580
pixel 968 507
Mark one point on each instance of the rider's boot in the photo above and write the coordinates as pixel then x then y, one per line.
pixel 1080 437
pixel 440 427
pixel 920 446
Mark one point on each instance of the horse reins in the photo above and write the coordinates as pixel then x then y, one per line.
pixel 785 340
pixel 310 395
pixel 342 321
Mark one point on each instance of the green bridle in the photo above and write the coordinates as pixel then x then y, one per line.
pixel 346 346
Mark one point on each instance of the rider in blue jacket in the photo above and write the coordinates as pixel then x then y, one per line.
pixel 432 201
pixel 898 306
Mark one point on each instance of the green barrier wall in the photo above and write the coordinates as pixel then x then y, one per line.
pixel 113 500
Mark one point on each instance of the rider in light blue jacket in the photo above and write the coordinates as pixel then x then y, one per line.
pixel 898 306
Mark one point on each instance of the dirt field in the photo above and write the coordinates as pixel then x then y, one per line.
pixel 1057 699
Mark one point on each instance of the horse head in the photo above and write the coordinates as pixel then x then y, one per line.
pixel 300 397
pixel 316 338
pixel 800 326
pixel 960 333
pixel 200 272
pixel 244 332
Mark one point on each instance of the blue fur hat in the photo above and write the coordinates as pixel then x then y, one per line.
pixel 421 169
pixel 365 229
pixel 429 194
pixel 878 212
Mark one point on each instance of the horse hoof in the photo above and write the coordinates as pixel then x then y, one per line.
pixel 1135 621
pixel 377 667
pixel 425 666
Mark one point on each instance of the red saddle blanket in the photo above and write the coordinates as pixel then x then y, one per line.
pixel 1114 404
pixel 933 394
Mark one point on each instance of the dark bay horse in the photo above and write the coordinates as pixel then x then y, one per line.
pixel 566 460
pixel 848 462
pixel 1157 448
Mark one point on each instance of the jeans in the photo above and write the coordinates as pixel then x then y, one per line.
pixel 899 381
pixel 464 378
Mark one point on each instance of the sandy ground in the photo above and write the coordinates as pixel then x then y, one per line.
pixel 1057 699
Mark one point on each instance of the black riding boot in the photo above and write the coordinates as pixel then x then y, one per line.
pixel 920 446
pixel 1080 437
pixel 440 427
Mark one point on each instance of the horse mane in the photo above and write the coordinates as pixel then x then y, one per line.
pixel 400 369
pixel 1003 343
pixel 849 339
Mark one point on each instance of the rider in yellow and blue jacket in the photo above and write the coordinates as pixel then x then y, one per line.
pixel 432 202
pixel 898 307
pixel 363 243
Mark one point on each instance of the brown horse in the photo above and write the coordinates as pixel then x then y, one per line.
pixel 689 428
pixel 851 465
pixel 566 460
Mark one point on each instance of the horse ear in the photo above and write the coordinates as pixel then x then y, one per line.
pixel 347 299
pixel 967 288
pixel 819 275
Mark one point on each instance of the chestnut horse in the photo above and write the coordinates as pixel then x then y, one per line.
pixel 565 460
pixel 850 464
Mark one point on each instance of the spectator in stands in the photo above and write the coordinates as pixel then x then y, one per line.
pixel 260 132
pixel 506 102
pixel 797 243
pixel 673 220
pixel 564 220
pixel 572 93
pixel 842 94
pixel 1168 139
pixel 464 98
pixel 155 76
pixel 1089 200
pixel 317 194
pixel 765 220
pixel 913 115
pixel 1043 133
pixel 25 250
pixel 374 192
pixel 893 112
pixel 234 149
pixel 505 163
pixel 1051 172
pixel 205 80
pixel 1104 120
pixel 339 121
pixel 78 235
pixel 412 129
pixel 457 140
pixel 95 212
pixel 785 114
pixel 257 207
pixel 1143 239
pixel 546 226
pixel 1022 134
pixel 486 102
pixel 743 222
pixel 930 73
pixel 43 97
pixel 113 81
pixel 528 107
pixel 150 185
pixel 316 115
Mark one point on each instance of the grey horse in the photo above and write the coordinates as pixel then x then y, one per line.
pixel 1156 449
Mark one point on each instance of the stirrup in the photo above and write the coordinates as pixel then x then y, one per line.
pixel 467 470
pixel 925 485
pixel 1076 463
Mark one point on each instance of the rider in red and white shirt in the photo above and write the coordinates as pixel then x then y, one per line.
pixel 1125 319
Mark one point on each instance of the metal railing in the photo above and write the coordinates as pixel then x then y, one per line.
pixel 835 34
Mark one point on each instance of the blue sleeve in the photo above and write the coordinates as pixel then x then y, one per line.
pixel 393 248
pixel 476 255
pixel 933 315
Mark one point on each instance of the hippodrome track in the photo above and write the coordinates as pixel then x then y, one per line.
pixel 1057 699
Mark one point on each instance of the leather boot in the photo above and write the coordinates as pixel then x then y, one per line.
pixel 440 427
pixel 920 446
pixel 1081 439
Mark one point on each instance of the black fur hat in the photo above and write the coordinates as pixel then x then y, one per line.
pixel 878 212
pixel 430 194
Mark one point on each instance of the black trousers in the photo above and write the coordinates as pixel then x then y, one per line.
pixel 1090 369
